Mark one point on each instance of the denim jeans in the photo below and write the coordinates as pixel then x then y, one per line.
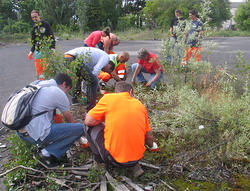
pixel 141 78
pixel 61 137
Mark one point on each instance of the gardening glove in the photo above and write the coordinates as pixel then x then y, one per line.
pixel 148 84
pixel 84 143
pixel 154 148
pixel 30 56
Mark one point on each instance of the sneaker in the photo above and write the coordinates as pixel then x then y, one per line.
pixel 102 84
pixel 74 101
pixel 137 170
pixel 49 162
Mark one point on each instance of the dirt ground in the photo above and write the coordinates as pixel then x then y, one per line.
pixel 16 70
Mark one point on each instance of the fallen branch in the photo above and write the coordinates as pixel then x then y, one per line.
pixel 20 166
pixel 103 186
pixel 116 185
pixel 171 188
pixel 57 181
pixel 130 183
pixel 204 152
pixel 149 165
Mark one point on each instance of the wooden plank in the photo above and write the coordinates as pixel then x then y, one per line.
pixel 103 186
pixel 130 183
pixel 118 186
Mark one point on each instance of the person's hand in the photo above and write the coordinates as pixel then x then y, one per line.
pixel 133 81
pixel 53 51
pixel 30 56
pixel 154 148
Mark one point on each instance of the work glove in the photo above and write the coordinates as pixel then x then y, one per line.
pixel 154 148
pixel 30 56
pixel 148 84
pixel 84 143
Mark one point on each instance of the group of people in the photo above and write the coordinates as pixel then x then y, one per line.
pixel 192 36
pixel 117 127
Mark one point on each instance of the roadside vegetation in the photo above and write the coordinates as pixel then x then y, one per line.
pixel 199 115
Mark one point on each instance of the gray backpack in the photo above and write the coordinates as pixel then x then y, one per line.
pixel 17 111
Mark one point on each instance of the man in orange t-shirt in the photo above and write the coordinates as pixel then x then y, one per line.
pixel 121 141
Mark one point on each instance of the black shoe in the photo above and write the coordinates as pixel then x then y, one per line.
pixel 48 162
pixel 74 101
pixel 102 84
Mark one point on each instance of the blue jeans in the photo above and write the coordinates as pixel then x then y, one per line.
pixel 100 46
pixel 61 137
pixel 141 78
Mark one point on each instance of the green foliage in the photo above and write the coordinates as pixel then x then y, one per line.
pixel 22 155
pixel 126 22
pixel 242 17
pixel 94 174
pixel 158 13
pixel 16 27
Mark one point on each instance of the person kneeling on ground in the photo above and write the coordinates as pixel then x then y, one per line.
pixel 120 141
pixel 119 73
pixel 57 138
pixel 147 63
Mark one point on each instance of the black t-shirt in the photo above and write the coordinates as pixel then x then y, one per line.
pixel 174 23
pixel 38 34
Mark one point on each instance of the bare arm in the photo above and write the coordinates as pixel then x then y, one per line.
pixel 90 121
pixel 157 75
pixel 149 139
pixel 137 70
pixel 68 117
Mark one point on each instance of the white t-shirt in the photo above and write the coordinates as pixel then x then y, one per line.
pixel 47 99
pixel 95 58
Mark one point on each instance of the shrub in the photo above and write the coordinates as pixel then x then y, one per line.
pixel 16 27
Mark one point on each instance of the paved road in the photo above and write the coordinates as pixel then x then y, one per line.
pixel 16 70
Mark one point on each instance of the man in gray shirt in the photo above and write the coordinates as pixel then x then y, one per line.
pixel 41 130
pixel 92 61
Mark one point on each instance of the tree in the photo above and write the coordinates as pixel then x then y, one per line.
pixel 242 17
pixel 7 13
pixel 57 11
pixel 134 7
pixel 160 12
pixel 220 12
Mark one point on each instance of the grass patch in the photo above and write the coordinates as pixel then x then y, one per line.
pixel 15 38
pixel 131 34
pixel 229 33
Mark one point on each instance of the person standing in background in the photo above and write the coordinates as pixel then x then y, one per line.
pixel 41 35
pixel 193 39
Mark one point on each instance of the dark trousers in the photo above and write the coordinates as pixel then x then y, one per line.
pixel 83 73
pixel 95 136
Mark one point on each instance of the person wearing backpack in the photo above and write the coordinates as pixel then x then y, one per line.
pixel 59 137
